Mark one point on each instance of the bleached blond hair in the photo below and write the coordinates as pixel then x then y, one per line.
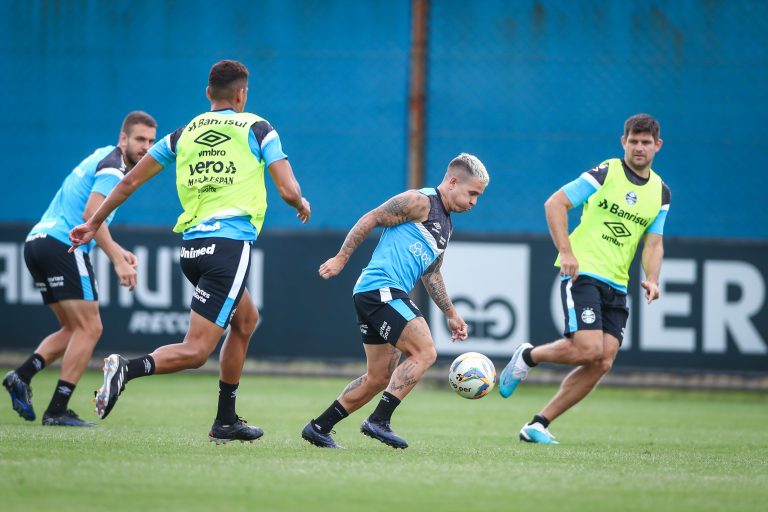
pixel 470 164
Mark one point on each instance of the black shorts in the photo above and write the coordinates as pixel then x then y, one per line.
pixel 59 274
pixel 589 304
pixel 383 314
pixel 218 268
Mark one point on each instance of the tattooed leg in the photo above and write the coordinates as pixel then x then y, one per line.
pixel 382 360
pixel 416 341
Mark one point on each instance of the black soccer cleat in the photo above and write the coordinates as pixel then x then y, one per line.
pixel 68 418
pixel 115 369
pixel 21 395
pixel 317 437
pixel 384 433
pixel 237 431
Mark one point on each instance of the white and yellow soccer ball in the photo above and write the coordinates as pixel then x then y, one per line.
pixel 472 375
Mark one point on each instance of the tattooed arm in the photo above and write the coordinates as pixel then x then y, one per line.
pixel 433 282
pixel 409 206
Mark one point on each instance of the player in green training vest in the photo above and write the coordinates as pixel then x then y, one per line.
pixel 220 159
pixel 623 200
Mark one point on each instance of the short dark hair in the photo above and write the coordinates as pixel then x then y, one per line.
pixel 642 123
pixel 137 117
pixel 225 78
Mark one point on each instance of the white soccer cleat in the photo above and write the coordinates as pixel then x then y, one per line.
pixel 115 369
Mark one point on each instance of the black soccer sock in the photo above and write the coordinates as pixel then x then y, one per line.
pixel 60 399
pixel 30 367
pixel 330 417
pixel 540 419
pixel 227 396
pixel 386 407
pixel 527 357
pixel 140 367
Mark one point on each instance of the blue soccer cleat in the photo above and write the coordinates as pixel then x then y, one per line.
pixel 536 433
pixel 515 372
pixel 384 433
pixel 21 395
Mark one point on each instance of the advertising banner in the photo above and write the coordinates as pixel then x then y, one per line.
pixel 713 313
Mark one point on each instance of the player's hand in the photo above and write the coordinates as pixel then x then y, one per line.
pixel 651 290
pixel 332 267
pixel 458 328
pixel 569 266
pixel 81 235
pixel 130 258
pixel 126 274
pixel 304 212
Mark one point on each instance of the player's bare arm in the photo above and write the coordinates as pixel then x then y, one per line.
pixel 289 189
pixel 435 286
pixel 556 209
pixel 143 171
pixel 653 253
pixel 124 261
pixel 410 206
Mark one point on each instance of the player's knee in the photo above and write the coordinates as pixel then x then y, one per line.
pixel 589 354
pixel 92 328
pixel 198 358
pixel 378 382
pixel 247 325
pixel 245 321
pixel 193 356
pixel 605 364
pixel 427 355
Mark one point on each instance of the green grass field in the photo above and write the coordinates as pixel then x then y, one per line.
pixel 621 450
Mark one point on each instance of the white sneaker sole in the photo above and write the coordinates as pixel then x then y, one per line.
pixel 111 364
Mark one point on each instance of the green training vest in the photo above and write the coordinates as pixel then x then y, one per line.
pixel 613 221
pixel 217 175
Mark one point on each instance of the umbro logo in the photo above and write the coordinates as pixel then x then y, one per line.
pixel 617 229
pixel 211 138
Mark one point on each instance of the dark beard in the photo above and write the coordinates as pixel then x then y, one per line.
pixel 130 161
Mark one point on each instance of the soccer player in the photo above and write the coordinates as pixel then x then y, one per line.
pixel 417 229
pixel 66 279
pixel 220 160
pixel 624 200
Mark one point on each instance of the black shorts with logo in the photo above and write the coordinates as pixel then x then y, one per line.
pixel 57 273
pixel 590 304
pixel 218 268
pixel 383 314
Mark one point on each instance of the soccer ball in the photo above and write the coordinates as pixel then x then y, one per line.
pixel 472 375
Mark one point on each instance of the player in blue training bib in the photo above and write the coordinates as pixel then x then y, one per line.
pixel 65 279
pixel 417 227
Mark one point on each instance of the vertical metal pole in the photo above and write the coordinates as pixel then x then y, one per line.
pixel 417 93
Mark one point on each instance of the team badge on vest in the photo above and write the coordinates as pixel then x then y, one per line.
pixel 631 198
pixel 588 316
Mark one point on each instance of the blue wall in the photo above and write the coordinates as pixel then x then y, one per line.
pixel 538 90
pixel 331 77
